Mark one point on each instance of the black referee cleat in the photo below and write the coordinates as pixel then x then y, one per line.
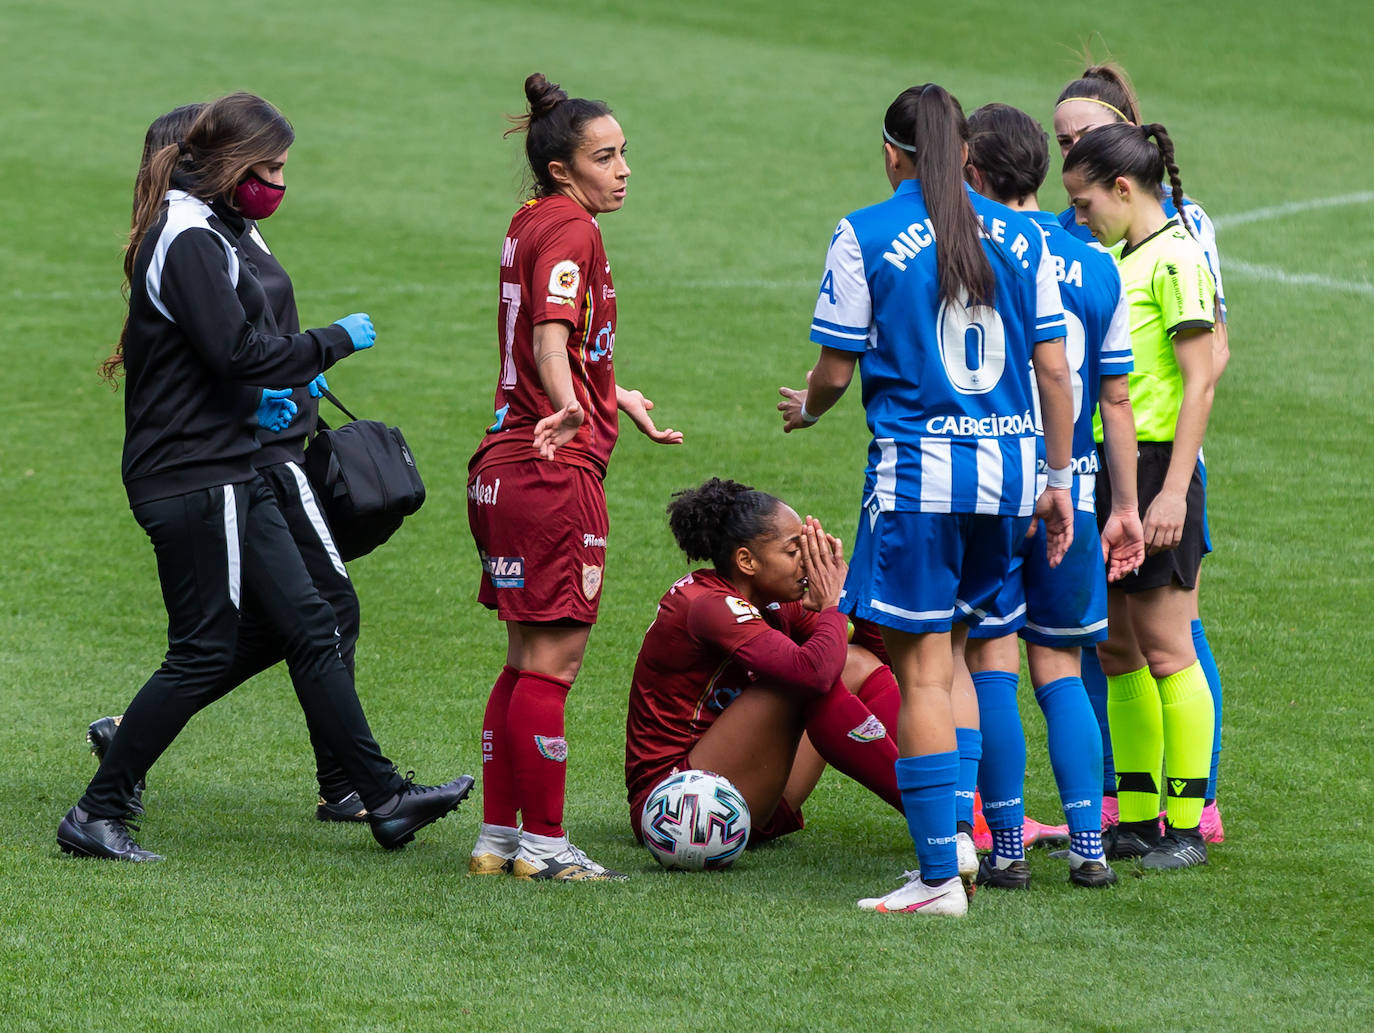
pixel 1015 876
pixel 105 838
pixel 1126 840
pixel 350 808
pixel 415 806
pixel 1180 848
pixel 100 735
pixel 1093 875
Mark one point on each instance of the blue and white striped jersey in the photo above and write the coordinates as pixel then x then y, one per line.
pixel 946 388
pixel 1203 232
pixel 1097 339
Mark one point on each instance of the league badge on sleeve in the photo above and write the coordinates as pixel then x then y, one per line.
pixel 564 280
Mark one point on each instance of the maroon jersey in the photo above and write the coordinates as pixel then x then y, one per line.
pixel 554 268
pixel 706 646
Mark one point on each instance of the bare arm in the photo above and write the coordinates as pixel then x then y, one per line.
pixel 1165 515
pixel 1123 541
pixel 825 384
pixel 555 376
pixel 1055 389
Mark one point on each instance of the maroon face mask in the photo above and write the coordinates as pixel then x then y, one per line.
pixel 256 198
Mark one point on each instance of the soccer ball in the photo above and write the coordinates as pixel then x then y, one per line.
pixel 695 820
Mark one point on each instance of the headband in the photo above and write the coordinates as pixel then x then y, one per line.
pixel 910 148
pixel 1093 100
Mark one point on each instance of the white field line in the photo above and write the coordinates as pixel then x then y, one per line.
pixel 1232 265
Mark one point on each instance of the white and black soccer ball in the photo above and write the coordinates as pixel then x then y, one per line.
pixel 695 820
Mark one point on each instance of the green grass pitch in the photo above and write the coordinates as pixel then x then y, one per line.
pixel 753 125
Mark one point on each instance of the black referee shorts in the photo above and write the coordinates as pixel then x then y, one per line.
pixel 1176 566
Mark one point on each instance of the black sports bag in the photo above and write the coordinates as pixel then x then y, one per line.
pixel 365 478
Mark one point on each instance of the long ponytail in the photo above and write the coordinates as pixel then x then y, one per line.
pixel 1166 153
pixel 931 120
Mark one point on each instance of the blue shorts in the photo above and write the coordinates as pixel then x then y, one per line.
pixel 1062 606
pixel 1206 528
pixel 920 572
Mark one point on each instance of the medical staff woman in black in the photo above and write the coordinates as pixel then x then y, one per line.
pixel 198 346
pixel 279 460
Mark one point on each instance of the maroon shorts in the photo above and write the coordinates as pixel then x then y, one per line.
pixel 540 529
pixel 783 821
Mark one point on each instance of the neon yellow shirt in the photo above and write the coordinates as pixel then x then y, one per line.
pixel 1169 288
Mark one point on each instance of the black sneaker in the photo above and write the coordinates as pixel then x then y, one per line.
pixel 1015 876
pixel 1121 841
pixel 1180 848
pixel 1093 875
pixel 107 838
pixel 99 736
pixel 414 807
pixel 350 808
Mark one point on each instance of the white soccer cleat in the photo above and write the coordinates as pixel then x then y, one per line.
pixel 968 856
pixel 915 897
pixel 556 859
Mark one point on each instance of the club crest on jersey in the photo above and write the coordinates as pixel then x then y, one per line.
pixel 870 731
pixel 591 581
pixel 564 279
pixel 552 747
pixel 505 571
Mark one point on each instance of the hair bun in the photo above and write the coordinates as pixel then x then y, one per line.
pixel 543 95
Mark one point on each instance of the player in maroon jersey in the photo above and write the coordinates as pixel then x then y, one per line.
pixel 535 501
pixel 744 657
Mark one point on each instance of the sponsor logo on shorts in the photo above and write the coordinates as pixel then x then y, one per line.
pixel 505 571
pixel 591 581
pixel 552 747
pixel 564 279
pixel 593 541
pixel 870 731
pixel 484 494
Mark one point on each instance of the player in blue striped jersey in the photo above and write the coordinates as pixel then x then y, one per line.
pixel 942 299
pixel 1065 607
pixel 1103 95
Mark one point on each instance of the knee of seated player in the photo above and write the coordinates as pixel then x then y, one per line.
pixel 859 665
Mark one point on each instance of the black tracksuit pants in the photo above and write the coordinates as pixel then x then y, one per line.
pixel 260 643
pixel 212 547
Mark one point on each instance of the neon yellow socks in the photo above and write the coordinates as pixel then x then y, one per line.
pixel 1137 726
pixel 1188 731
pixel 1153 721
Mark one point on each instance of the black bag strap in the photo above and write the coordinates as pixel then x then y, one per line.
pixel 337 404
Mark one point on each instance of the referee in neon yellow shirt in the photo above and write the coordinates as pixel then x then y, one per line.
pixel 1158 703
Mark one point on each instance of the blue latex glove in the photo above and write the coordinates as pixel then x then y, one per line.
pixel 318 386
pixel 360 330
pixel 276 410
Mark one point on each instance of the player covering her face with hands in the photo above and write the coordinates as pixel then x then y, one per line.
pixel 536 506
pixel 942 299
pixel 747 654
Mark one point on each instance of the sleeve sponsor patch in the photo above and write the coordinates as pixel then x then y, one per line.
pixel 564 280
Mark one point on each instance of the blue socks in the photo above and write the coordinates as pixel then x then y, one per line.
pixel 1096 684
pixel 927 786
pixel 1002 772
pixel 1209 668
pixel 970 742
pixel 1075 755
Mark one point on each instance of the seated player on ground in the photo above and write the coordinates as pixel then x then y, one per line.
pixel 745 656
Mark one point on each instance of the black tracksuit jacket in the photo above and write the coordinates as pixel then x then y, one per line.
pixel 200 344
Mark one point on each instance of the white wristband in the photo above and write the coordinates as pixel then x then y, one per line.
pixel 806 417
pixel 1061 478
